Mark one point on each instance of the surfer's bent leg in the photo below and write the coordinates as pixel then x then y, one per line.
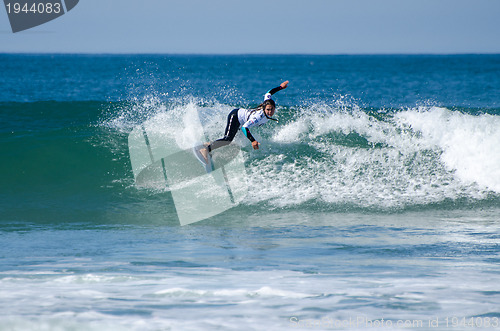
pixel 232 127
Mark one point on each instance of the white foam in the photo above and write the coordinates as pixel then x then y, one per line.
pixel 265 291
pixel 291 132
pixel 470 144
pixel 415 157
pixel 213 299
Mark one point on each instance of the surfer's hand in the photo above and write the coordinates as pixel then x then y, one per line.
pixel 255 144
pixel 284 85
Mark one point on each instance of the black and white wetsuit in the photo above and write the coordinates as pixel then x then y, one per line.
pixel 244 119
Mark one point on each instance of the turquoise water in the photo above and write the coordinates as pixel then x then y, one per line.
pixel 376 196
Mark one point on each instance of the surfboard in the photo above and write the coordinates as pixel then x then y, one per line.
pixel 207 164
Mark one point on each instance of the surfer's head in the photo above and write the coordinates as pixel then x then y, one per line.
pixel 269 106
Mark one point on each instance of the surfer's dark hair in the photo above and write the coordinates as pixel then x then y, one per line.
pixel 267 102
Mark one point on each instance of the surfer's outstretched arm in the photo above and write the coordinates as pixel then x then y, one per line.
pixel 269 93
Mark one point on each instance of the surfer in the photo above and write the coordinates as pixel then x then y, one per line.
pixel 246 119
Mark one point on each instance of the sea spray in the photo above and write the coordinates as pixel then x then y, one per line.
pixel 341 155
pixel 391 161
pixel 470 144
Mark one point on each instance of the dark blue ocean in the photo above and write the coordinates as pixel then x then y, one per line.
pixel 374 203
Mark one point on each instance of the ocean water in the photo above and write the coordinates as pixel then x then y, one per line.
pixel 374 203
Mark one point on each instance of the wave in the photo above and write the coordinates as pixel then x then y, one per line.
pixel 396 159
pixel 322 155
pixel 339 154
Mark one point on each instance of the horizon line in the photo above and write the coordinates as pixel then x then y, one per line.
pixel 255 54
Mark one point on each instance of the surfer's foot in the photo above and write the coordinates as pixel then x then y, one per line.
pixel 204 153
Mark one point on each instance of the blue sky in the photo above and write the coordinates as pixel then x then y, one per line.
pixel 258 26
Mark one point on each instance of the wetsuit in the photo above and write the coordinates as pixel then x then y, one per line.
pixel 244 119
